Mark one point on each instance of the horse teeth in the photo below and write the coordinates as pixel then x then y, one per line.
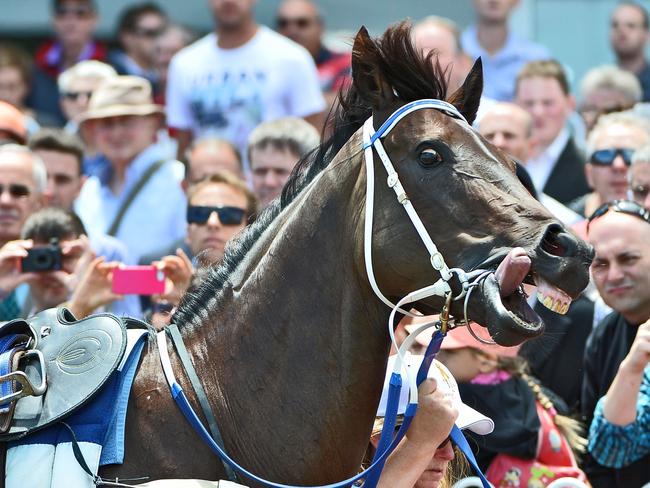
pixel 556 304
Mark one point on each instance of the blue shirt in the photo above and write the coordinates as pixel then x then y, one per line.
pixel 155 218
pixel 618 446
pixel 500 71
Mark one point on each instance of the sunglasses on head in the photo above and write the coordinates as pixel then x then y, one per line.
pixel 227 215
pixel 16 190
pixel 623 206
pixel 300 22
pixel 606 157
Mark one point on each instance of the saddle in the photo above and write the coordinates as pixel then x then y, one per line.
pixel 51 364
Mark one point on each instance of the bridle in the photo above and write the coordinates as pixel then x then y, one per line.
pixel 440 288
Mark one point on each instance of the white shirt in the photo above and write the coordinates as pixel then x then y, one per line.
pixel 228 92
pixel 541 167
pixel 155 218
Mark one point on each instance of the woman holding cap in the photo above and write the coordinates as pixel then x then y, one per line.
pixel 422 459
pixel 532 445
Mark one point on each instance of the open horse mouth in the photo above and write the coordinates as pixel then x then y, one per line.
pixel 500 302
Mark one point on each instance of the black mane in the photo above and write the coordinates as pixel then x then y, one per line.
pixel 399 64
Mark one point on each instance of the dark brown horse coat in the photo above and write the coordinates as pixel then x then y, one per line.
pixel 286 334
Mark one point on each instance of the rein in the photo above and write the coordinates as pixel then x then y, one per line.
pixel 441 288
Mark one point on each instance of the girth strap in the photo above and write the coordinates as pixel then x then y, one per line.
pixel 183 355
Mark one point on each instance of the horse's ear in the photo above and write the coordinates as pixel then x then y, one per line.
pixel 468 97
pixel 366 75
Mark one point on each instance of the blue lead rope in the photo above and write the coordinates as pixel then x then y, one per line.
pixel 385 446
pixel 372 473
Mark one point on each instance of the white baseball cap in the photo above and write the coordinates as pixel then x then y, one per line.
pixel 468 418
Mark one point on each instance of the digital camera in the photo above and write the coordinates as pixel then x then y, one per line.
pixel 43 258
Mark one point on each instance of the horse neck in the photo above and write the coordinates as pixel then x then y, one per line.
pixel 296 351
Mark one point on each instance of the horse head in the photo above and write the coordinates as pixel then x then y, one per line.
pixel 467 195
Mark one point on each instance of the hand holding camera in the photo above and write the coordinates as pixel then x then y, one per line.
pixel 12 255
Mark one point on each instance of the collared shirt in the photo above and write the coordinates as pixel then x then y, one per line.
pixel 541 167
pixel 49 56
pixel 156 217
pixel 500 70
pixel 617 446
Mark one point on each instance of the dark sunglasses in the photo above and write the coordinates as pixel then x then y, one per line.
pixel 79 11
pixel 623 206
pixel 148 33
pixel 605 157
pixel 16 190
pixel 73 96
pixel 227 215
pixel 300 22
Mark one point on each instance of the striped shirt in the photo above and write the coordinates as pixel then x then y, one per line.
pixel 617 446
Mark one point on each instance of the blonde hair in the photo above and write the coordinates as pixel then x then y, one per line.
pixel 457 469
pixel 570 428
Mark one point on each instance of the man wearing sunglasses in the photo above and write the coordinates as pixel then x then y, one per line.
pixel 138 28
pixel 300 21
pixel 639 177
pixel 74 23
pixel 610 147
pixel 620 234
pixel 218 208
pixel 23 179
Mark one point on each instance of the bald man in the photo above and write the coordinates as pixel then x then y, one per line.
pixel 621 272
pixel 441 35
pixel 509 127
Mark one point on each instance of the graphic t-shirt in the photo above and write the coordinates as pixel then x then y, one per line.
pixel 227 92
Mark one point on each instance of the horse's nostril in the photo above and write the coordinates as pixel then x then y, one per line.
pixel 558 242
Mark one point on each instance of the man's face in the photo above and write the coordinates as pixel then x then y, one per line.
pixel 74 22
pixel 213 235
pixel 166 46
pixel 13 88
pixel 122 138
pixel 610 182
pixel 640 183
pixel 602 101
pixel 431 37
pixel 18 199
pixel 509 130
pixel 621 268
pixel 298 20
pixel 50 288
pixel 544 100
pixel 75 100
pixel 206 160
pixel 143 39
pixel 494 11
pixel 232 14
pixel 64 181
pixel 627 34
pixel 271 168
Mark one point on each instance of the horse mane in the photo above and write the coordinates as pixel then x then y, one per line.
pixel 394 59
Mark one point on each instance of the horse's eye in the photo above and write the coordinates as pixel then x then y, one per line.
pixel 430 157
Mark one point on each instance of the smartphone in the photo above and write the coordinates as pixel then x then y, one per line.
pixel 138 280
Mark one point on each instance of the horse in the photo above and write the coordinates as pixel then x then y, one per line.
pixel 286 334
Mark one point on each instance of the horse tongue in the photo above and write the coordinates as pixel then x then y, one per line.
pixel 512 271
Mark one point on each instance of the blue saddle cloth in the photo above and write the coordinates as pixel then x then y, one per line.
pixel 102 420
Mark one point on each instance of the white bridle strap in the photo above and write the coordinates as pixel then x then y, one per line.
pixel 373 139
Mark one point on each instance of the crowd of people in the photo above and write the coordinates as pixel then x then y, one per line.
pixel 157 148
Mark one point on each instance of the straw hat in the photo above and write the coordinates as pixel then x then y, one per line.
pixel 13 122
pixel 121 95
pixel 468 418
